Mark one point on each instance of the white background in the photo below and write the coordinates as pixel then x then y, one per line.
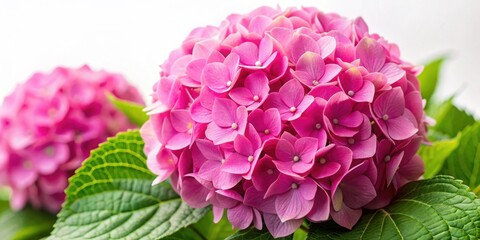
pixel 134 37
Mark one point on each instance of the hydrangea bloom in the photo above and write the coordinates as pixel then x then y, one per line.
pixel 48 127
pixel 285 116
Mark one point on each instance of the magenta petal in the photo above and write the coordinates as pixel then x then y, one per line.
pixel 223 112
pixel 240 217
pixel 391 103
pixel 366 93
pixel 225 180
pixel 300 44
pixel 392 167
pixel 199 113
pixel 364 149
pixel 326 170
pixel 313 64
pixel 331 71
pixel 292 205
pixel 346 217
pixel 400 128
pixel 248 53
pixel 179 141
pixel 209 150
pixel 193 193
pixel 392 72
pixel 242 96
pixel 371 54
pixel 291 93
pixel 327 45
pixel 215 76
pixel 357 192
pixel 284 151
pixel 278 228
pixel 321 207
pixel 236 164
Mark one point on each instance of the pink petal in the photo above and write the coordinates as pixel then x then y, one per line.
pixel 291 93
pixel 215 76
pixel 248 53
pixel 391 102
pixel 321 207
pixel 327 45
pixel 242 96
pixel 346 217
pixel 224 112
pixel 364 149
pixel 400 128
pixel 392 167
pixel 331 71
pixel 292 205
pixel 236 164
pixel 371 54
pixel 209 150
pixel 284 151
pixel 313 64
pixel 357 192
pixel 240 217
pixel 281 229
pixel 393 72
pixel 300 44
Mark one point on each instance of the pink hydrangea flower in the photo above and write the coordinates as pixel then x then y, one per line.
pixel 293 114
pixel 50 124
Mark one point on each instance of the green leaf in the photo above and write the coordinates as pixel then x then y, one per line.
pixel 254 234
pixel 111 197
pixel 429 78
pixel 132 110
pixel 435 155
pixel 450 119
pixel 24 224
pixel 464 162
pixel 437 208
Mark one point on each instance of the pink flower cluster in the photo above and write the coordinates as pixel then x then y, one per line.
pixel 48 127
pixel 280 116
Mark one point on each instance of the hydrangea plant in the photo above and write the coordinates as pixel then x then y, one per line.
pixel 281 116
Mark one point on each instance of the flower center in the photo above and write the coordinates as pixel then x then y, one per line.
pixel 258 63
pixel 351 141
pixel 49 151
pixel 222 161
pixel 315 82
pixel 387 158
pixel 229 83
pixel 385 117
pixel 318 126
pixel 296 158
pixel 294 186
pixel 250 158
pixel 293 109
pixel 234 126
pixel 256 98
pixel 335 121
pixel 322 160
pixel 266 131
pixel 27 164
pixel 270 171
pixel 350 93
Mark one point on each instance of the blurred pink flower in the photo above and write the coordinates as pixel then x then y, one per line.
pixel 49 126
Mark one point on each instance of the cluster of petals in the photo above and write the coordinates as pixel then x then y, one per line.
pixel 49 125
pixel 280 116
